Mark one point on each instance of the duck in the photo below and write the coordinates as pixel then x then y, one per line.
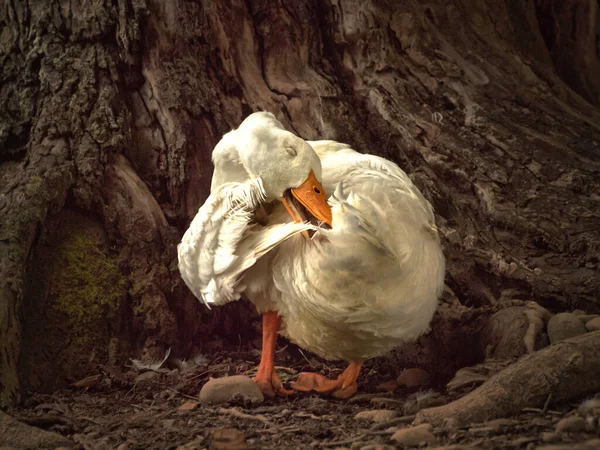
pixel 338 250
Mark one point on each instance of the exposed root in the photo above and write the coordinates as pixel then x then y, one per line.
pixel 566 370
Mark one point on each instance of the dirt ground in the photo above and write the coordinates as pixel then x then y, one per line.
pixel 131 409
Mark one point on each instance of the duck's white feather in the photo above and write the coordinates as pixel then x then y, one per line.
pixel 221 243
pixel 356 291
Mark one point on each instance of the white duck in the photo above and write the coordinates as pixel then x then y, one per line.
pixel 352 291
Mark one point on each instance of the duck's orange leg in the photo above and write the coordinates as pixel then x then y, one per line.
pixel 266 378
pixel 342 387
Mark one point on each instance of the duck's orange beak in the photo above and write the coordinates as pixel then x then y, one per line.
pixel 311 195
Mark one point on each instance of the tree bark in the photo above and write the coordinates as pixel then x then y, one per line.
pixel 109 111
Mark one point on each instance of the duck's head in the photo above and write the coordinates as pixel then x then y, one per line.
pixel 288 166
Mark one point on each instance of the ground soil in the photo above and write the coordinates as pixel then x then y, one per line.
pixel 129 409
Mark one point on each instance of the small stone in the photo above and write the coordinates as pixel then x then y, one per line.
pixel 414 377
pixel 168 424
pixel 146 376
pixel 587 317
pixel 190 405
pixel 578 312
pixel 520 442
pixel 539 422
pixel 550 436
pixel 196 444
pixel 376 415
pixel 593 325
pixel 590 423
pixel 500 424
pixel 590 405
pixel 221 390
pixel 570 424
pixel 564 326
pixel 412 437
pixel 228 438
pixel 514 331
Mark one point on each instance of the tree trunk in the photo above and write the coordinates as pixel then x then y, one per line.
pixel 109 111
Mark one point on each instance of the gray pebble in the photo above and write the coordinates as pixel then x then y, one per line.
pixel 564 326
pixel 376 415
pixel 570 424
pixel 593 325
pixel 221 390
pixel 587 317
pixel 550 436
pixel 414 436
pixel 146 376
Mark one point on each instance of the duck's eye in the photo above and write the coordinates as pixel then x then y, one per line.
pixel 317 190
pixel 291 151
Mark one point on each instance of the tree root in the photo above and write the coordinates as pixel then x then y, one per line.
pixel 567 370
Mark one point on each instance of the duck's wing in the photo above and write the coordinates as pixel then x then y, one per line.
pixel 222 243
pixel 376 180
pixel 381 262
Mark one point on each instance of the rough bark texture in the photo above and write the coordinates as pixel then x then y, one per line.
pixel 109 111
pixel 567 370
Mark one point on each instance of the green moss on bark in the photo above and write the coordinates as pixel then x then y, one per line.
pixel 86 285
pixel 73 321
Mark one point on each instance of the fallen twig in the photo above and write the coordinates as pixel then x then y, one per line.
pixel 379 433
pixel 288 429
pixel 94 421
pixel 237 413
pixel 45 421
pixel 342 443
pixel 541 411
pixel 197 375
pixel 286 370
pixel 182 394
pixel 304 356
pixel 545 408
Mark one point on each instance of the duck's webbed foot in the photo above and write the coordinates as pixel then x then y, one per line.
pixel 266 378
pixel 344 386
pixel 271 386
